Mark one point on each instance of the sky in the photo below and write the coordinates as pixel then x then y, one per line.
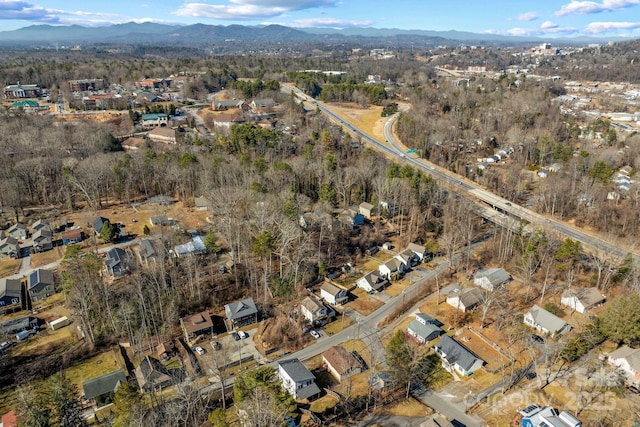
pixel 541 18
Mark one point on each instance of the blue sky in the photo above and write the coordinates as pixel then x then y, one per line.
pixel 542 18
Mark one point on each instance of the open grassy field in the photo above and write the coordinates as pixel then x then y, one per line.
pixel 410 408
pixel 397 287
pixel 363 303
pixel 101 364
pixel 337 325
pixel 44 258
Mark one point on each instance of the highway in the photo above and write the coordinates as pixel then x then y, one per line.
pixel 470 190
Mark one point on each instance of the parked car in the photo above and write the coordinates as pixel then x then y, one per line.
pixel 243 334
pixel 216 345
pixel 315 334
pixel 235 336
pixel 537 338
pixel 200 350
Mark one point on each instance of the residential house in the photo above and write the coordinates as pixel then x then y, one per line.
pixel 582 299
pixel 100 388
pixel 10 293
pixel 146 251
pixel 201 203
pixel 241 313
pixel 194 247
pixel 545 322
pixel 145 97
pixel 627 359
pixel 547 416
pixel 42 240
pixel 166 349
pixel 13 326
pixel 18 231
pixel 161 220
pixel 163 134
pixel 156 83
pixel 198 324
pixel 134 143
pixel 392 267
pixel 41 284
pixel 340 363
pixel 365 209
pixel 315 311
pixel 152 375
pixel 71 236
pixel 98 223
pixel 102 101
pixel 465 299
pixel 353 219
pixel 223 105
pixel 117 262
pixel 372 281
pixel 227 120
pixel 456 357
pixel 333 294
pixel 10 246
pixel 297 380
pixel 40 224
pixel 424 328
pixel 408 258
pixel 436 421
pixel 154 120
pixel 263 105
pixel 19 90
pixel 10 419
pixel 492 278
pixel 417 249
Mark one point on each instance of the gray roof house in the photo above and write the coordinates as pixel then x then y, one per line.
pixel 9 246
pixel 391 267
pixel 314 310
pixel 152 375
pixel 333 294
pixel 98 223
pixel 456 357
pixel 465 299
pixel 423 330
pixel 297 379
pixel 40 224
pixel 372 281
pixel 116 262
pixel 100 387
pixel 417 249
pixel 492 278
pixel 201 203
pixel 628 360
pixel 42 240
pixel 241 313
pixel 41 284
pixel 147 251
pixel 582 299
pixel 194 247
pixel 545 322
pixel 18 231
pixel 10 293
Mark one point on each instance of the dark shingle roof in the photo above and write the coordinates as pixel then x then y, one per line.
pixel 457 353
pixel 103 384
pixel 240 309
pixel 40 276
pixel 296 370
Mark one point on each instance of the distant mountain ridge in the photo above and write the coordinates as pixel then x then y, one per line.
pixel 201 35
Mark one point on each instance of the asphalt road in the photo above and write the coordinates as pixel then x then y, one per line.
pixel 472 191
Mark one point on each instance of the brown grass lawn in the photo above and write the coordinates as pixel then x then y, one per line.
pixel 44 258
pixel 324 403
pixel 337 325
pixel 8 266
pixel 396 288
pixel 480 347
pixel 410 408
pixel 370 265
pixel 381 256
pixel 46 337
pixel 369 119
pixel 363 303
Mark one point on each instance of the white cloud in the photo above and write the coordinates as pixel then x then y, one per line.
pixel 605 27
pixel 330 22
pixel 249 9
pixel 587 7
pixel 545 28
pixel 528 16
pixel 547 25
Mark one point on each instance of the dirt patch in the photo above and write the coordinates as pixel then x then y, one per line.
pixel 470 339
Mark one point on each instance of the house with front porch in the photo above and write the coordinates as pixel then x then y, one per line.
pixel 456 357
pixel 241 313
pixel 333 294
pixel 315 311
pixel 372 281
pixel 545 322
pixel 582 299
pixel 297 380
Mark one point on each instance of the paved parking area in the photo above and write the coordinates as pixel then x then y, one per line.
pixel 230 351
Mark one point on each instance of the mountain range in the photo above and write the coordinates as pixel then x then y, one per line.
pixel 201 35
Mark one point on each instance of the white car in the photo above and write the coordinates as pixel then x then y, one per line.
pixel 315 334
pixel 243 334
pixel 200 350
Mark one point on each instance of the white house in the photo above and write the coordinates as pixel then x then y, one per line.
pixel 582 299
pixel 417 249
pixel 408 258
pixel 545 322
pixel 371 282
pixel 391 267
pixel 491 279
pixel 465 299
pixel 365 209
pixel 297 379
pixel 314 310
pixel 628 360
pixel 456 357
pixel 333 294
